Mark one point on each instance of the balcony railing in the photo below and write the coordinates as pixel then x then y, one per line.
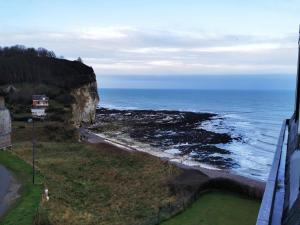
pixel 272 206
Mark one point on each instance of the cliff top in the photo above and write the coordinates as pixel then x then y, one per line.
pixel 28 65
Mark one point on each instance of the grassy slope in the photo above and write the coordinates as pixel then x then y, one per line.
pixel 95 184
pixel 101 185
pixel 218 208
pixel 26 207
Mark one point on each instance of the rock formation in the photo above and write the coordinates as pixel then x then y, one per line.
pixel 85 104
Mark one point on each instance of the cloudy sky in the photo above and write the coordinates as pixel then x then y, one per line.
pixel 161 37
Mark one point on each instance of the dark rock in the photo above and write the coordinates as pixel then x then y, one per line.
pixel 166 130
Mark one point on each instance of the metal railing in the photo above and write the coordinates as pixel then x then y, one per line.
pixel 271 209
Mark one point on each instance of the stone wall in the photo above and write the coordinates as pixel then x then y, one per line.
pixel 5 128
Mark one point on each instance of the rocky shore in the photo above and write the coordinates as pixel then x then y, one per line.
pixel 134 130
pixel 175 133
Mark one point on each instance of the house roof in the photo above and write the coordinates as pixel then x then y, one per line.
pixel 40 97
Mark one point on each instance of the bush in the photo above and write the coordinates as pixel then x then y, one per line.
pixel 61 132
pixel 65 99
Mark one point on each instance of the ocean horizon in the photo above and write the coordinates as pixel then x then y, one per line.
pixel 253 116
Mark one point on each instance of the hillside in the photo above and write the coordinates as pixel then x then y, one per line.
pixel 38 71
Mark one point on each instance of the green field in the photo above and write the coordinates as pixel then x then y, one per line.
pixel 218 208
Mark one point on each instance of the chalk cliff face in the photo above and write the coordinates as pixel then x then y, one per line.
pixel 85 104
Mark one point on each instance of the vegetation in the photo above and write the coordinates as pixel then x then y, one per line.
pixel 218 208
pixel 99 184
pixel 91 184
pixel 40 66
pixel 19 102
pixel 25 208
pixel 18 50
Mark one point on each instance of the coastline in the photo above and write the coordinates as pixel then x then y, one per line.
pixel 177 135
pixel 217 178
pixel 181 160
pixel 242 114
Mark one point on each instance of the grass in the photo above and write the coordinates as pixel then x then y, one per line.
pixel 24 210
pixel 95 184
pixel 99 184
pixel 218 208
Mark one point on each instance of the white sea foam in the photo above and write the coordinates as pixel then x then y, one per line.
pixel 142 147
pixel 173 151
pixel 251 150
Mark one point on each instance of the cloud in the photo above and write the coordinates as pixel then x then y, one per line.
pixel 104 33
pixel 129 50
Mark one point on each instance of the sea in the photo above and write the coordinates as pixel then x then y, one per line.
pixel 255 116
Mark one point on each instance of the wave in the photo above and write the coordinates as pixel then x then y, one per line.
pixel 255 122
pixel 270 136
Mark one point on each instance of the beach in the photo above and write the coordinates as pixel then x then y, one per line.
pixel 194 178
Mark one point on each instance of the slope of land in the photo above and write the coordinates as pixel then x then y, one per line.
pixel 89 184
pixel 102 184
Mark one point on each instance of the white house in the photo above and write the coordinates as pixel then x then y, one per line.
pixel 40 101
pixel 39 106
pixel 38 112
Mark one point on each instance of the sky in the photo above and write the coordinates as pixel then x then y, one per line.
pixel 158 40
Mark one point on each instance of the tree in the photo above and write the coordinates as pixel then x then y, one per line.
pixel 20 50
pixel 79 60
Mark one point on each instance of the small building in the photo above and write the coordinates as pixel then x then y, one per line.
pixel 5 125
pixel 40 101
pixel 39 106
pixel 38 112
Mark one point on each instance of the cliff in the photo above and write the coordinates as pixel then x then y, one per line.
pixel 70 85
pixel 85 104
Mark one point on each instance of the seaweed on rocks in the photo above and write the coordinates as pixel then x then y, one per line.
pixel 166 131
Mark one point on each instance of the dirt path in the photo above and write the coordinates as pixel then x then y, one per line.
pixel 9 188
